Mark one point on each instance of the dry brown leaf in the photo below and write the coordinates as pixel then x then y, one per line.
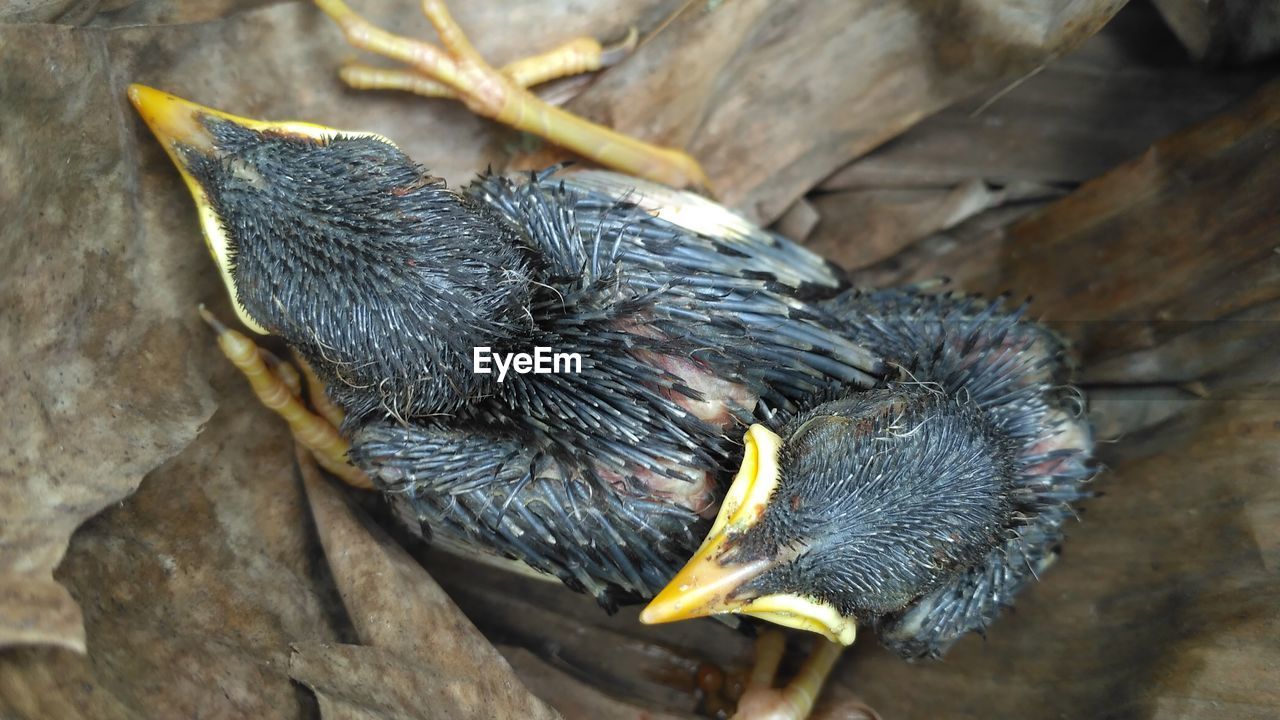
pixel 772 97
pixel 354 682
pixel 420 656
pixel 886 221
pixel 194 587
pixel 572 698
pixel 1183 235
pixel 1083 115
pixel 97 380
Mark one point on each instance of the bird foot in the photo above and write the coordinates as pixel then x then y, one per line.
pixel 456 70
pixel 278 386
pixel 762 701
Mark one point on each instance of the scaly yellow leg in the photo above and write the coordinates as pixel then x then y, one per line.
pixel 575 57
pixel 762 701
pixel 458 71
pixel 278 386
pixel 770 646
pixel 315 391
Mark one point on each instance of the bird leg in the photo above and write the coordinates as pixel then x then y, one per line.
pixel 320 401
pixel 457 70
pixel 762 701
pixel 577 56
pixel 279 387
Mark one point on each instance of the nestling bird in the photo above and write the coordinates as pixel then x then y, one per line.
pixel 920 507
pixel 910 460
pixel 685 316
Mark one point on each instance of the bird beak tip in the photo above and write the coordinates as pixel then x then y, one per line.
pixel 685 598
pixel 171 119
pixel 703 587
pixel 707 585
pixel 670 605
pixel 135 91
pixel 656 613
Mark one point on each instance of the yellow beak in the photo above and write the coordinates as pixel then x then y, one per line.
pixel 712 584
pixel 180 126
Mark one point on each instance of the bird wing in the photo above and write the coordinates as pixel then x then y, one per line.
pixel 498 491
pixel 670 322
pixel 764 255
pixel 729 285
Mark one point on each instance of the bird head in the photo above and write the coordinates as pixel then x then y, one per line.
pixel 350 251
pixel 854 510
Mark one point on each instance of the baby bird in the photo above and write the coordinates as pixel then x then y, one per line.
pixel 684 318
pixel 918 508
pixel 913 457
